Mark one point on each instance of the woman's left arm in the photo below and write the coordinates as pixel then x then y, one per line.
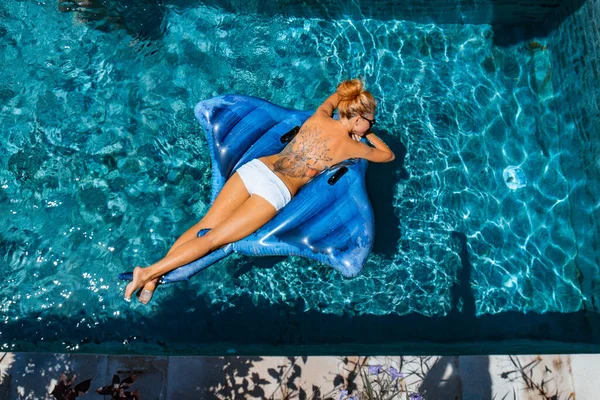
pixel 380 153
pixel 379 144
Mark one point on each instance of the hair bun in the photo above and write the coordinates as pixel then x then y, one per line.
pixel 350 89
pixel 354 99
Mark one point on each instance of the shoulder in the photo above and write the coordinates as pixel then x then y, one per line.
pixel 320 118
pixel 318 123
pixel 323 121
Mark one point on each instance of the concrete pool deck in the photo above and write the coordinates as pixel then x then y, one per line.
pixel 34 375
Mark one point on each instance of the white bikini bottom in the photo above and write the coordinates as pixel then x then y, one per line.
pixel 260 180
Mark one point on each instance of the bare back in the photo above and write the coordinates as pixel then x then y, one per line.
pixel 320 143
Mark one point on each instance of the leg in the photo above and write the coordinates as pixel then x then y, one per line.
pixel 247 218
pixel 231 196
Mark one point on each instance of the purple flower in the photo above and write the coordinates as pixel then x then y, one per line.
pixel 415 396
pixel 343 393
pixel 374 369
pixel 395 374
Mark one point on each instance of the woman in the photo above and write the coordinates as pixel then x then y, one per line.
pixel 261 187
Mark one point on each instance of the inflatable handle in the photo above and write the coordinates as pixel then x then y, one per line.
pixel 338 174
pixel 290 135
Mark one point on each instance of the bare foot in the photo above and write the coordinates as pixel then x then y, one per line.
pixel 145 295
pixel 136 283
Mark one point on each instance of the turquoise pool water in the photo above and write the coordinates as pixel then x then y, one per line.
pixel 102 166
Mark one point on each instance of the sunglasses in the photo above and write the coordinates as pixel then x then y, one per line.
pixel 371 121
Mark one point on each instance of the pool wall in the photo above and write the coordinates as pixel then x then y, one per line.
pixel 503 12
pixel 575 49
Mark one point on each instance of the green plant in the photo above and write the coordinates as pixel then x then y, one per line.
pixel 386 384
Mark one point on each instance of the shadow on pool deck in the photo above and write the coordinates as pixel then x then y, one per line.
pixel 34 375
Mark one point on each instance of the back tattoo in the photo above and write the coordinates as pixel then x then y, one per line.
pixel 304 151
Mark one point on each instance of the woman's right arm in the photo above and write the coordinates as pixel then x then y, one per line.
pixel 329 105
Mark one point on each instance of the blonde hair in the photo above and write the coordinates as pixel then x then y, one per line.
pixel 354 99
